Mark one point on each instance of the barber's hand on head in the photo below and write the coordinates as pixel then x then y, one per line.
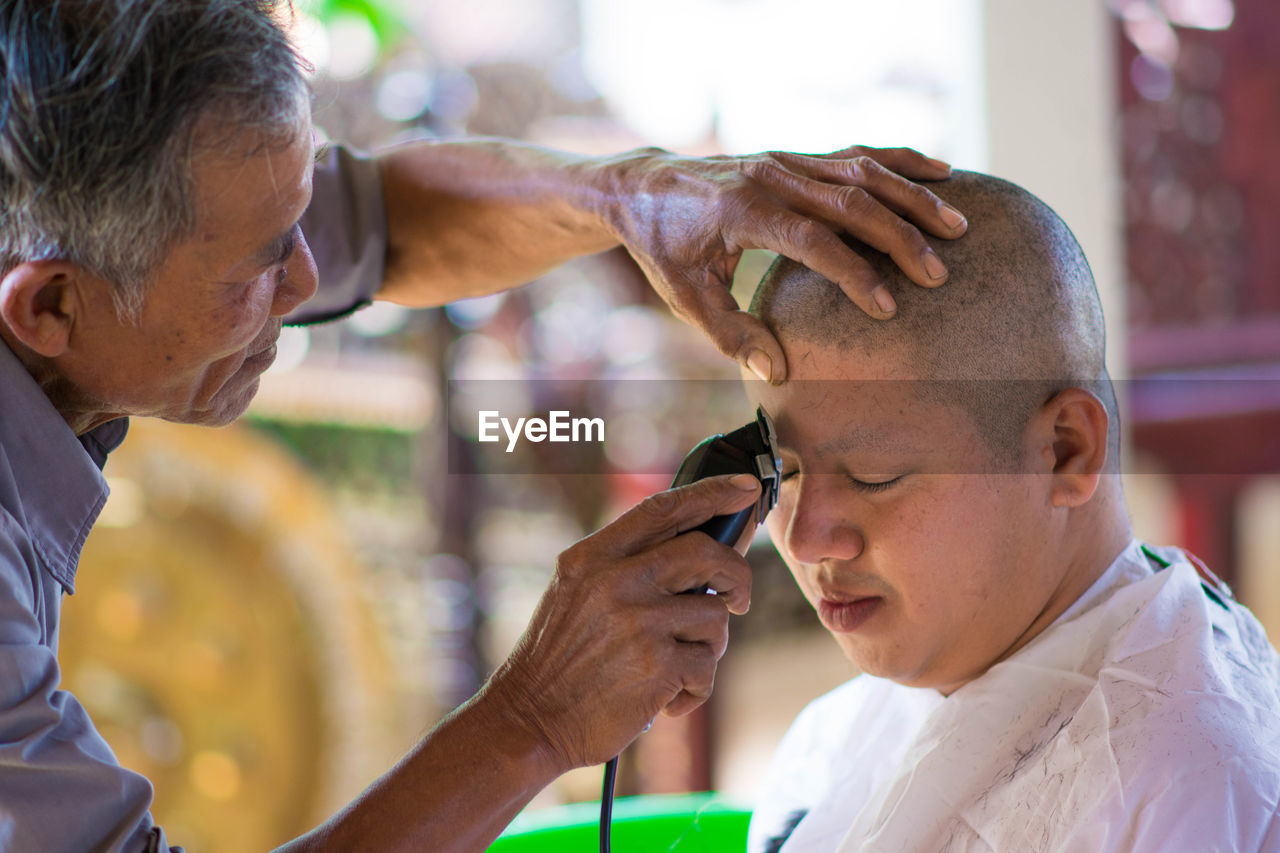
pixel 687 221
pixel 613 642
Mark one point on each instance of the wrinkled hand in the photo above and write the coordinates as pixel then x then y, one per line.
pixel 612 642
pixel 686 221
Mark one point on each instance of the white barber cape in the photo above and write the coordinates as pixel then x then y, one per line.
pixel 1145 718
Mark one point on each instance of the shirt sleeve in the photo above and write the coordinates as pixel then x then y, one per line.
pixel 346 228
pixel 61 788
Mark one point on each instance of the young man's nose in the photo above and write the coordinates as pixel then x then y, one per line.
pixel 299 281
pixel 819 524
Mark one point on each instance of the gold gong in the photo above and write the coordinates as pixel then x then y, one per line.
pixel 220 640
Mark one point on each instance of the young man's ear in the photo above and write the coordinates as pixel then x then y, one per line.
pixel 38 303
pixel 1074 433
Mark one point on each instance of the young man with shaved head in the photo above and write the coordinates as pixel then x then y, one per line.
pixel 1034 679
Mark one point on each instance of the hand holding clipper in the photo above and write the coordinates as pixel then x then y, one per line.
pixel 751 449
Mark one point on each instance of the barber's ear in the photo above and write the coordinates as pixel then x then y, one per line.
pixel 38 302
pixel 1073 438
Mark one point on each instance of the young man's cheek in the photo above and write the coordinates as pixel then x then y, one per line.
pixel 776 523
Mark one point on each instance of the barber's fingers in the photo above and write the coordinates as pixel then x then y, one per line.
pixel 698 673
pixel 665 515
pixel 697 618
pixel 803 238
pixel 883 184
pixel 858 196
pixel 857 212
pixel 693 636
pixel 709 305
pixel 905 161
pixel 689 562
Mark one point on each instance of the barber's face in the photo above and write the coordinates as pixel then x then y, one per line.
pixel 211 318
pixel 922 563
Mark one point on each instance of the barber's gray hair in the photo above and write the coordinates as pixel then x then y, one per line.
pixel 99 101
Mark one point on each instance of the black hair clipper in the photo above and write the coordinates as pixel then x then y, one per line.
pixel 752 449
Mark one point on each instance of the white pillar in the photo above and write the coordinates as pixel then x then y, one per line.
pixel 1052 112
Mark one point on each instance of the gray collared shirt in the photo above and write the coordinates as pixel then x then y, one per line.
pixel 61 788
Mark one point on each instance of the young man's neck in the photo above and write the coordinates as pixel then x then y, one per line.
pixel 1098 536
pixel 1092 540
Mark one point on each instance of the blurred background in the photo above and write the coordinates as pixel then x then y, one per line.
pixel 269 615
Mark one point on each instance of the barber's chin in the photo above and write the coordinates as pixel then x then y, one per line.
pixel 227 406
pixel 233 398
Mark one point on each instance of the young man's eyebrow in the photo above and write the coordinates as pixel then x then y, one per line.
pixel 851 441
pixel 864 441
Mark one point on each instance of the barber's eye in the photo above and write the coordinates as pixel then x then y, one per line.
pixel 787 475
pixel 871 487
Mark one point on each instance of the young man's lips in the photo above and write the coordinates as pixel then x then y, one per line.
pixel 844 617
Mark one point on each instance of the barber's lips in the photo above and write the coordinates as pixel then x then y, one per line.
pixel 262 359
pixel 265 355
pixel 847 616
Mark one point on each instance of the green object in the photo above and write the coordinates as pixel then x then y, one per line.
pixel 682 823
pixel 382 16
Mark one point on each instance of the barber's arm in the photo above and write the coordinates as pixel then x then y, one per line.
pixel 611 645
pixel 474 217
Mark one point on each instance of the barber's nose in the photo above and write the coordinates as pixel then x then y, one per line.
pixel 299 281
pixel 820 523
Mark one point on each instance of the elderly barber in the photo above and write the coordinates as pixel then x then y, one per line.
pixel 159 211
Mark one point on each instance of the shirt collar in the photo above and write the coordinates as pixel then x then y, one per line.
pixel 1130 565
pixel 60 487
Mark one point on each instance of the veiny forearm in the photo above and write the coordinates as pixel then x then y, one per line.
pixel 455 791
pixel 474 217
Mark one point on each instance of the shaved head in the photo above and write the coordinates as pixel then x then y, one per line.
pixel 1017 321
